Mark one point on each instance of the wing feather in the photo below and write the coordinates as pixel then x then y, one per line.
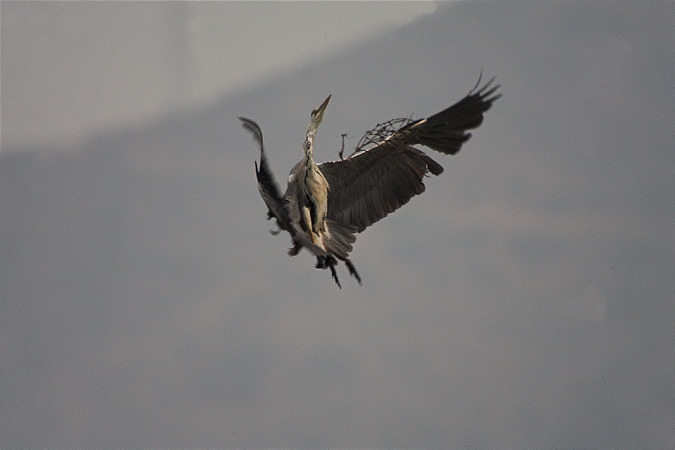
pixel 267 185
pixel 372 183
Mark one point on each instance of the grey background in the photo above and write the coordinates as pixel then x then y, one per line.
pixel 525 300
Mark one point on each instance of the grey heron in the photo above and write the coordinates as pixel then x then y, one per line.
pixel 326 204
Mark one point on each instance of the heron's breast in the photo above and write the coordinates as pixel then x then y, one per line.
pixel 317 185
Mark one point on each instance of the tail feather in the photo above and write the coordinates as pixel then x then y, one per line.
pixel 339 238
pixel 338 242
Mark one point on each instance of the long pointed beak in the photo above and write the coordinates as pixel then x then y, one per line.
pixel 324 104
pixel 317 114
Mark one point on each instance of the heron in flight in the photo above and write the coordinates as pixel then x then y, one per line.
pixel 326 204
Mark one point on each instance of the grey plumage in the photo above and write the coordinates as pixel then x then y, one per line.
pixel 366 186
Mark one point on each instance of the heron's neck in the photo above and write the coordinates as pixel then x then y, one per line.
pixel 308 146
pixel 309 154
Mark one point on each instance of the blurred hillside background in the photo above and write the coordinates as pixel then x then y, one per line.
pixel 525 300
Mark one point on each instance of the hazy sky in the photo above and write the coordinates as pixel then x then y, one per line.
pixel 524 300
pixel 66 63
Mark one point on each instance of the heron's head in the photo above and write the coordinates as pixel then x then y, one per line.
pixel 315 120
pixel 317 113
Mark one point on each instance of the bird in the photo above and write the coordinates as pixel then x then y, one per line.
pixel 325 205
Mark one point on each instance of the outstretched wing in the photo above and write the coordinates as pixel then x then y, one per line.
pixel 267 186
pixel 372 183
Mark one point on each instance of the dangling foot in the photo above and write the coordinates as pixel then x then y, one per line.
pixel 352 271
pixel 328 261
